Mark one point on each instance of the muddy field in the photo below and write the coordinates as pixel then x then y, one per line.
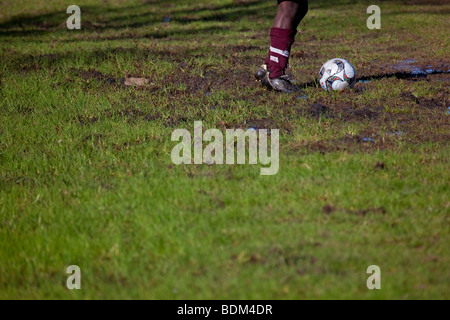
pixel 86 176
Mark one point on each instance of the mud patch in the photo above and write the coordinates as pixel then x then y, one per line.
pixel 261 124
pixel 258 124
pixel 347 143
pixel 85 120
pixel 409 96
pixel 19 180
pixel 93 74
pixel 211 79
pixel 432 103
pixel 380 166
pixel 242 48
pixel 350 113
pixel 364 212
pixel 342 113
pixel 318 110
pixel 136 81
pixel 328 209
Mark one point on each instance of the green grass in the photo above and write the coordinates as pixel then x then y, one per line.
pixel 86 176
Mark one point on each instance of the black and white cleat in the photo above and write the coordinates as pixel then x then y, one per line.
pixel 261 72
pixel 280 84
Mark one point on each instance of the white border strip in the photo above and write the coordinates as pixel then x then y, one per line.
pixel 284 53
pixel 273 58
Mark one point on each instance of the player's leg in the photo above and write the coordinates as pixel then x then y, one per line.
pixel 282 35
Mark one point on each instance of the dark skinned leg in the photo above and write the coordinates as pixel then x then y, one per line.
pixel 283 32
pixel 286 17
pixel 289 16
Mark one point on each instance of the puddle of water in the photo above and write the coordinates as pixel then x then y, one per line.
pixel 407 67
pixel 254 129
pixel 396 133
pixel 404 70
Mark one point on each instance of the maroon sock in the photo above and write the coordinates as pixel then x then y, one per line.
pixel 281 41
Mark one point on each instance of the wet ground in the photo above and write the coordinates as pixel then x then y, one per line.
pixel 407 117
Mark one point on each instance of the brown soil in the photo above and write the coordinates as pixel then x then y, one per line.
pixel 409 119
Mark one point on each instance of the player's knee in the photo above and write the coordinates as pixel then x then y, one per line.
pixel 293 8
pixel 288 9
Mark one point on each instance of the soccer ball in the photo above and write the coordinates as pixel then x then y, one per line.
pixel 336 75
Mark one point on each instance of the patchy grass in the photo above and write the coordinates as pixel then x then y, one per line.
pixel 86 176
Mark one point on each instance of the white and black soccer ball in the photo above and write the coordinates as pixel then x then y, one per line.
pixel 337 74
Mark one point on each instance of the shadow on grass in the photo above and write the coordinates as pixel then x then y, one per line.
pixel 97 20
pixel 397 75
pixel 152 12
pixel 100 18
pixel 93 57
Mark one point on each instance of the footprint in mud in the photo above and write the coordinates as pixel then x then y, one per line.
pixel 318 110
